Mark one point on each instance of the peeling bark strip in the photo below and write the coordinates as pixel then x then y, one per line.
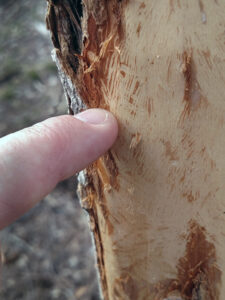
pixel 63 20
pixel 156 200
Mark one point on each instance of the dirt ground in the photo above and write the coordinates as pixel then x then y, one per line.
pixel 47 254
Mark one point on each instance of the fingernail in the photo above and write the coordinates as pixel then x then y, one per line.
pixel 95 116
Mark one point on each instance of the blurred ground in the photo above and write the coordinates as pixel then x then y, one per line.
pixel 47 254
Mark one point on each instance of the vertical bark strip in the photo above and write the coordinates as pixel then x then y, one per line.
pixel 156 200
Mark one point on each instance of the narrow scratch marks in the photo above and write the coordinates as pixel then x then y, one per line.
pixel 136 138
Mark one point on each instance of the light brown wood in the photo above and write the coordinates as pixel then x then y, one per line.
pixel 156 201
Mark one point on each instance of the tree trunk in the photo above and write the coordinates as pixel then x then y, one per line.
pixel 156 200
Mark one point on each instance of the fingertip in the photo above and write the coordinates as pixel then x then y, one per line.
pixel 88 135
pixel 102 120
pixel 97 116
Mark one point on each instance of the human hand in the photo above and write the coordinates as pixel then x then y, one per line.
pixel 35 159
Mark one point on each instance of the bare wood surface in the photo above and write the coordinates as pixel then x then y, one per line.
pixel 156 201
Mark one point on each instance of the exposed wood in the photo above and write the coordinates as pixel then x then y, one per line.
pixel 156 200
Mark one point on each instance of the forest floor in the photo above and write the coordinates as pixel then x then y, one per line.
pixel 47 254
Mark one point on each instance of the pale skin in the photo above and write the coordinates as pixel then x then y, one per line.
pixel 35 159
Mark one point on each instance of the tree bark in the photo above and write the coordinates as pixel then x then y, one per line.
pixel 156 200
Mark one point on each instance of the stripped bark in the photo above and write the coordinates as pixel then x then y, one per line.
pixel 156 199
